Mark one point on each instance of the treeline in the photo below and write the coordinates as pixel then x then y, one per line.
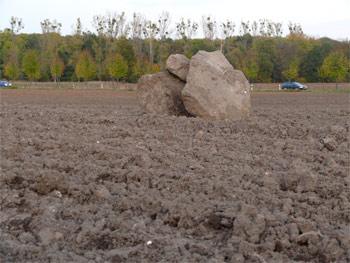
pixel 124 50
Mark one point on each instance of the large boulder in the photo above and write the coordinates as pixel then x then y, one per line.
pixel 178 65
pixel 214 90
pixel 160 93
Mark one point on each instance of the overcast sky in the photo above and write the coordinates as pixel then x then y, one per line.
pixel 318 18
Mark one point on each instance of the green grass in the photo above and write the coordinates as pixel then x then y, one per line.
pixel 134 89
pixel 313 91
pixel 331 91
pixel 62 88
pixel 11 87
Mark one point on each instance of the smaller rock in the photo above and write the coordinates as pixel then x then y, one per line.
pixel 178 65
pixel 58 236
pixel 21 220
pixel 26 237
pixel 48 182
pixel 46 236
pixel 299 178
pixel 214 221
pixel 238 258
pixel 307 182
pixel 269 182
pixel 305 225
pixel 258 258
pixel 199 135
pixel 279 246
pixel 303 239
pixel 151 244
pixel 102 192
pixel 329 144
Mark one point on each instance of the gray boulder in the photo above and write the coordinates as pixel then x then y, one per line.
pixel 178 65
pixel 160 93
pixel 214 90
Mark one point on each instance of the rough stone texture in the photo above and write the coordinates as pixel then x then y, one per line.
pixel 160 93
pixel 329 143
pixel 178 65
pixel 214 90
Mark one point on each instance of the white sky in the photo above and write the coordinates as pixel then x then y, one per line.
pixel 318 18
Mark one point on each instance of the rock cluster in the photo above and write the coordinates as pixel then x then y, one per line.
pixel 206 86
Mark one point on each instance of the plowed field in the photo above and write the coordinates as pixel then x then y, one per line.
pixel 85 176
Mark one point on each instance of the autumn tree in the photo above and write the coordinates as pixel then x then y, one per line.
pixel 252 71
pixel 267 28
pixel 336 66
pixel 115 25
pixel 50 42
pixel 322 73
pixel 295 29
pixel 186 30
pixel 245 28
pixel 85 67
pixel 139 68
pixel 278 29
pixel 111 26
pixel 77 28
pixel 150 31
pixel 56 68
pixel 142 67
pixel 30 65
pixel 11 70
pixel 136 30
pixel 118 68
pixel 264 53
pixel 209 27
pixel 48 26
pixel 124 47
pixel 73 48
pixel 100 46
pixel 100 49
pixel 16 25
pixel 313 61
pixel 292 72
pixel 163 25
pixel 227 30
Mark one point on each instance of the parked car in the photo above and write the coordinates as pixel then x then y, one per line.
pixel 4 84
pixel 294 85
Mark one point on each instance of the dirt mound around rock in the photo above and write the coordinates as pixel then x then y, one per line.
pixel 103 182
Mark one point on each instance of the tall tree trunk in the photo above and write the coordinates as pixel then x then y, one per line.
pixel 151 52
pixel 336 83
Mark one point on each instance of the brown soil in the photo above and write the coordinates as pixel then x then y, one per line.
pixel 86 177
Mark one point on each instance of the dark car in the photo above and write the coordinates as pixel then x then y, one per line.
pixel 4 84
pixel 294 85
